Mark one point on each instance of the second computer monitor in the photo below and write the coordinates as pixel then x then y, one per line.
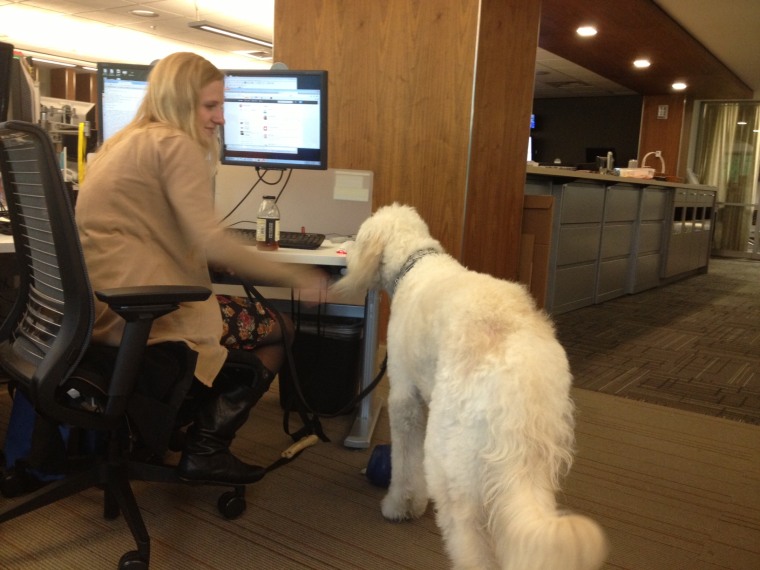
pixel 121 88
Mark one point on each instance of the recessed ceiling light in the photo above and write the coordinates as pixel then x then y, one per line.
pixel 144 13
pixel 679 86
pixel 586 31
pixel 642 63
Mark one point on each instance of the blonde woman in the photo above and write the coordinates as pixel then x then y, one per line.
pixel 145 214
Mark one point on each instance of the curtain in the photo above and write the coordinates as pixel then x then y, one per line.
pixel 727 156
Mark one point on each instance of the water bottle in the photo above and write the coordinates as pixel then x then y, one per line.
pixel 268 224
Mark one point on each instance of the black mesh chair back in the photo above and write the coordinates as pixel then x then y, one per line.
pixel 46 351
pixel 49 326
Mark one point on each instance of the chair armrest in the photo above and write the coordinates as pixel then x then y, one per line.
pixel 152 295
pixel 139 307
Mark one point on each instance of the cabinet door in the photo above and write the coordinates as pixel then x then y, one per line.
pixel 579 234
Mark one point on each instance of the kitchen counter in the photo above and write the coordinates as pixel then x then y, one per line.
pixel 614 235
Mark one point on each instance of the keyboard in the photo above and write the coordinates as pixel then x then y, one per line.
pixel 299 240
pixel 289 240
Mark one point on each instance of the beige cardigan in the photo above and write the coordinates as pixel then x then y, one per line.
pixel 146 216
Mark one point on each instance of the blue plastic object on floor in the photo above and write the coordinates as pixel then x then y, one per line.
pixel 379 466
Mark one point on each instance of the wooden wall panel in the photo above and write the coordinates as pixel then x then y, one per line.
pixel 400 94
pixel 63 83
pixel 663 134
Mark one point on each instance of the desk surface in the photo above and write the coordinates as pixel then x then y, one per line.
pixel 327 254
pixel 6 243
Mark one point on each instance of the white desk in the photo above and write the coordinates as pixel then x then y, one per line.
pixel 360 435
pixel 327 256
pixel 6 244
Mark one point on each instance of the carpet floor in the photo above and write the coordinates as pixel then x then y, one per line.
pixel 693 344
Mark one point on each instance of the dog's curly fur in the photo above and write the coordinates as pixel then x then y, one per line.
pixel 480 412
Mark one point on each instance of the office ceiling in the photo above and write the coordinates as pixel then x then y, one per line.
pixel 566 66
pixel 711 46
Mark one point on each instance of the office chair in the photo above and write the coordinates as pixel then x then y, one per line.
pixel 45 348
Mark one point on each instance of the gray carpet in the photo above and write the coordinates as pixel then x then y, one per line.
pixel 693 344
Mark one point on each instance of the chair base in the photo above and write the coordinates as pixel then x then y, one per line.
pixel 114 478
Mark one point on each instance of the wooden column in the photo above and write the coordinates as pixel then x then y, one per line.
pixel 503 99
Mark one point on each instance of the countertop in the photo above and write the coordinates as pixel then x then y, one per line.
pixel 587 175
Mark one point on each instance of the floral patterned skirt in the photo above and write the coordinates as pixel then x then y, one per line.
pixel 246 323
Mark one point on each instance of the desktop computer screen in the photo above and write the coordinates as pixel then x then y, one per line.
pixel 6 59
pixel 121 88
pixel 275 119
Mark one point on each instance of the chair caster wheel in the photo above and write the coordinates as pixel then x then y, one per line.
pixel 18 482
pixel 12 485
pixel 231 504
pixel 133 560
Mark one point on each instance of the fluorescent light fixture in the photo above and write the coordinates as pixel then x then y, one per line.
pixel 586 31
pixel 56 59
pixel 642 63
pixel 207 26
pixel 61 63
pixel 679 86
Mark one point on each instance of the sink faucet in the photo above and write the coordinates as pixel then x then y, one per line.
pixel 657 154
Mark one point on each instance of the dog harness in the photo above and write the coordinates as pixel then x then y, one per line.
pixel 410 262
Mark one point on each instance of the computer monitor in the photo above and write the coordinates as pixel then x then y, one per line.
pixel 275 119
pixel 6 58
pixel 121 88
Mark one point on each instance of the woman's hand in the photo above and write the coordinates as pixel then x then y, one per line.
pixel 311 283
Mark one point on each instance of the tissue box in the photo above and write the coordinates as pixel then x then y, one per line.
pixel 646 173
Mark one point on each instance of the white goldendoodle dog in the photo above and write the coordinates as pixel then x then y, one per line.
pixel 480 413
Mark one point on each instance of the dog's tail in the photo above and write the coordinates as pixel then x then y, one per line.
pixel 540 538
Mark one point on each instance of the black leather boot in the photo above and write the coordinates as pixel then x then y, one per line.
pixel 206 457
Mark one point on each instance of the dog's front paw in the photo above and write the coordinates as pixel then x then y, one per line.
pixel 399 508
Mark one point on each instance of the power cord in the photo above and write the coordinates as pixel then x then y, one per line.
pixel 261 180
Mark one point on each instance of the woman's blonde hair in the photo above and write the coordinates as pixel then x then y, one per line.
pixel 173 96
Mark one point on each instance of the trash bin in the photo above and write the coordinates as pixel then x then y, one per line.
pixel 326 354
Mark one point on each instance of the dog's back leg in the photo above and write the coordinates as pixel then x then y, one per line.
pixel 461 522
pixel 453 466
pixel 407 496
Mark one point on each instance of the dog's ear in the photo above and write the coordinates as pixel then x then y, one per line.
pixel 364 259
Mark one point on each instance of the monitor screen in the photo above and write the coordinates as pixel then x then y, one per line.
pixel 121 88
pixel 6 58
pixel 275 119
